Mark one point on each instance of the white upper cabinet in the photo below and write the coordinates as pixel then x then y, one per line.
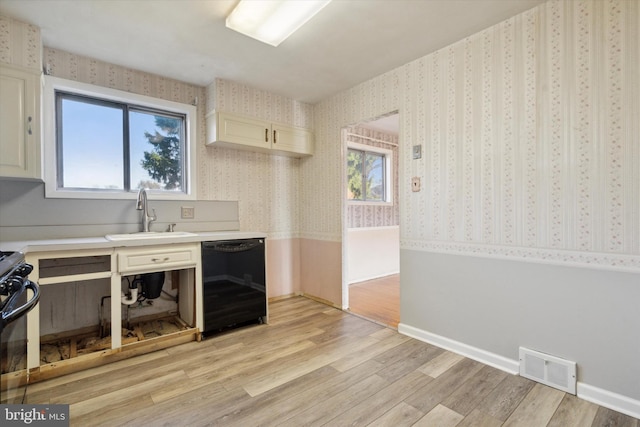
pixel 292 140
pixel 19 123
pixel 247 133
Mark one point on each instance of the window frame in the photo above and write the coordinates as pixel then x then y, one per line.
pixel 388 173
pixel 52 85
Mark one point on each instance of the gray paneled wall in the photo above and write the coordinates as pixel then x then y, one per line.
pixel 586 315
pixel 25 214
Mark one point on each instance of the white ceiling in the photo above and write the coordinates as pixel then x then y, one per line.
pixel 348 42
pixel 388 124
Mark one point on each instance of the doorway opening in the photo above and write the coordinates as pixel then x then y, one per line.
pixel 371 217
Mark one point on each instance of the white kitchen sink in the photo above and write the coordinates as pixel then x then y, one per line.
pixel 148 235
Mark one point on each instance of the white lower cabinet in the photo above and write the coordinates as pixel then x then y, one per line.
pixel 89 315
pixel 241 132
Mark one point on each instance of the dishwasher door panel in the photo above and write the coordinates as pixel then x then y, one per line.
pixel 234 290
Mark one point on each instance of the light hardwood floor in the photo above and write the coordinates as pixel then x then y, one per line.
pixel 377 299
pixel 312 365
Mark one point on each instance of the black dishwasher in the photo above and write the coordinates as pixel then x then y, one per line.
pixel 233 279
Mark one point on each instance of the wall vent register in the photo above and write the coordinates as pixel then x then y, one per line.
pixel 549 370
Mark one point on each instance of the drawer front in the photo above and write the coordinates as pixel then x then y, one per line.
pixel 157 259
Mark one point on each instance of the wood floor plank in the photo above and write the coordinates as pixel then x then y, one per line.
pixel 573 412
pixel 127 394
pixel 440 416
pixel 278 407
pixel 290 398
pixel 440 364
pixel 377 299
pixel 105 383
pixel 357 327
pixel 377 405
pixel 478 418
pixel 504 399
pixel 108 415
pixel 537 408
pixel 194 408
pixel 410 362
pixel 320 366
pixel 608 418
pixel 355 358
pixel 299 367
pixel 398 353
pixel 469 395
pixel 400 415
pixel 441 387
pixel 319 411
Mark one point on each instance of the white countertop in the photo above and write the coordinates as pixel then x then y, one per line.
pixel 79 243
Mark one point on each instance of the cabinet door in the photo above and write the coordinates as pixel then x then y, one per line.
pixel 19 124
pixel 243 131
pixel 292 140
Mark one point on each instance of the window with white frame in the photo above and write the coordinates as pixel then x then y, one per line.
pixel 104 143
pixel 368 174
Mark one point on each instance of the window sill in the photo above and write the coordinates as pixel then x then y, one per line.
pixel 366 203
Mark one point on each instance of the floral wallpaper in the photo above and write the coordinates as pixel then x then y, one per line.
pixel 266 186
pixel 233 97
pixel 20 44
pixel 530 137
pixel 368 215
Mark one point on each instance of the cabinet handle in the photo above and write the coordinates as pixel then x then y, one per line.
pixel 160 260
pixel 29 131
pixel 274 136
pixel 266 135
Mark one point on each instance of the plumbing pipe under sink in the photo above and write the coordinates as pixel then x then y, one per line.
pixel 133 296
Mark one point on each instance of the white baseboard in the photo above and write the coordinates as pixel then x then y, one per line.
pixel 607 399
pixel 614 401
pixel 373 277
pixel 499 362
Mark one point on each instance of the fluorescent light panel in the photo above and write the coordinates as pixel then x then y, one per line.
pixel 272 21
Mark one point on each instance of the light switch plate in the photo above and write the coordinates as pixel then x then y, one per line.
pixel 417 152
pixel 415 184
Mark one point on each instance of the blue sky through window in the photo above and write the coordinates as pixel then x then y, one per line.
pixel 93 146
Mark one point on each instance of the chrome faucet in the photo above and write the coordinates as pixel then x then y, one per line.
pixel 142 205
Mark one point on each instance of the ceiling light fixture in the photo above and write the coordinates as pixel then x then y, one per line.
pixel 272 21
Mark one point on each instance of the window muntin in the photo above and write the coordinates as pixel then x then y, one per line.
pixel 366 176
pixel 106 145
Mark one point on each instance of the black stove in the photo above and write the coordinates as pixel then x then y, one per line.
pixel 15 303
pixel 14 281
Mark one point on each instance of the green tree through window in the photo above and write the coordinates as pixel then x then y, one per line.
pixel 164 163
pixel 365 176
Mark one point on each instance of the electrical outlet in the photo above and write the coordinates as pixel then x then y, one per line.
pixel 415 184
pixel 187 212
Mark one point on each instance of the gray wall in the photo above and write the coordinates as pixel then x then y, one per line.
pixel 25 214
pixel 590 316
